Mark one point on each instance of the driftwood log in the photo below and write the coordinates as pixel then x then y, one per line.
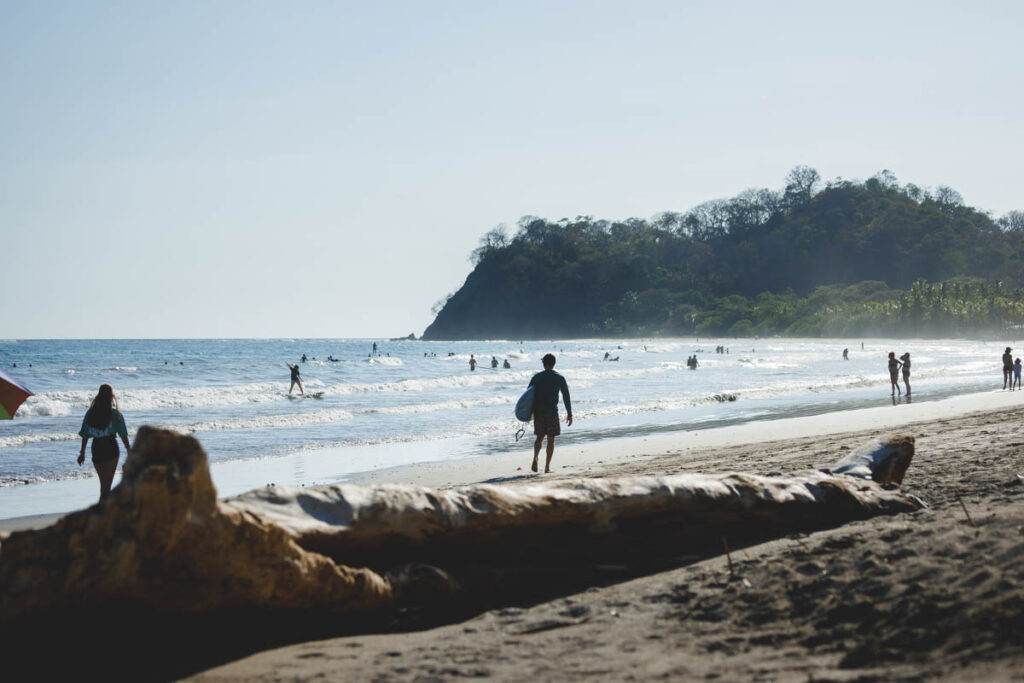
pixel 162 539
pixel 162 545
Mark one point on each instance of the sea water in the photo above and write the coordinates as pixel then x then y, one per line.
pixel 423 399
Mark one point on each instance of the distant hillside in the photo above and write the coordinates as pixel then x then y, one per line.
pixel 804 260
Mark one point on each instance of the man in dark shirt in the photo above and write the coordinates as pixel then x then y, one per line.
pixel 546 385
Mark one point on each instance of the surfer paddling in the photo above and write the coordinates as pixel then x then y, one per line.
pixel 295 378
pixel 546 386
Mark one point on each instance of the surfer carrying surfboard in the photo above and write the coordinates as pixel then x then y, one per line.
pixel 546 387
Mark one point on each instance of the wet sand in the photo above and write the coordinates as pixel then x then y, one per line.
pixel 925 596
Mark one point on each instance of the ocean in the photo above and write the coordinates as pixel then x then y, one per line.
pixel 421 401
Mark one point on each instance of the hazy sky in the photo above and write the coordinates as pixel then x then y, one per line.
pixel 234 169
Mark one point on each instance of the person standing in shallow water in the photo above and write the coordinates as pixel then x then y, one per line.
pixel 906 371
pixel 894 373
pixel 1007 368
pixel 547 385
pixel 103 423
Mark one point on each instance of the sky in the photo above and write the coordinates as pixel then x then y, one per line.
pixel 324 169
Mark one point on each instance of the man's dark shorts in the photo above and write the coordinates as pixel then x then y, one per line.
pixel 546 425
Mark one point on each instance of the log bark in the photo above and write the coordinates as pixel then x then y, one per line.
pixel 475 535
pixel 162 540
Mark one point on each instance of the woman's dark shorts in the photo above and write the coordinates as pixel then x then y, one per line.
pixel 546 425
pixel 105 448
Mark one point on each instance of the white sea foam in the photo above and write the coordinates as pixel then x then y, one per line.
pixel 468 380
pixel 36 437
pixel 62 403
pixel 319 417
pixel 385 360
pixel 765 364
pixel 185 398
pixel 443 405
pixel 51 405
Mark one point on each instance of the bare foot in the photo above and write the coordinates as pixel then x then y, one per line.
pixel 534 466
pixel 546 471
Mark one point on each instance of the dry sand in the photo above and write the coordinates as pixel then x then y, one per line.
pixel 924 596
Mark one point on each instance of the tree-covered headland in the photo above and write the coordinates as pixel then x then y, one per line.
pixel 840 258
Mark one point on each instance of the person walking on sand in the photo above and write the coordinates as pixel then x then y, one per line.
pixel 295 378
pixel 547 384
pixel 103 423
pixel 894 373
pixel 906 371
pixel 1007 368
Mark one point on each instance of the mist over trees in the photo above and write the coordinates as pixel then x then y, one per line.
pixel 815 258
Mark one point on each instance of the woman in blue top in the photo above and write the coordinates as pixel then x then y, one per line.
pixel 103 423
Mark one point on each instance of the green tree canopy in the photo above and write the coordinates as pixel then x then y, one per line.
pixel 763 262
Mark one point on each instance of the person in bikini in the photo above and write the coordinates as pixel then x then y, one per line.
pixel 906 371
pixel 103 423
pixel 894 373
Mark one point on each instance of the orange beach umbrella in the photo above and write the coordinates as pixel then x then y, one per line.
pixel 12 394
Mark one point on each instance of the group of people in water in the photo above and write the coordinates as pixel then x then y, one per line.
pixel 894 371
pixel 494 363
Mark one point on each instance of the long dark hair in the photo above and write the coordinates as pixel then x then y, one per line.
pixel 102 407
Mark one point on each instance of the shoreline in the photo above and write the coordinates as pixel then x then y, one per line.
pixel 928 595
pixel 584 459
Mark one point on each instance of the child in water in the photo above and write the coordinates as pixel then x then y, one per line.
pixel 1016 374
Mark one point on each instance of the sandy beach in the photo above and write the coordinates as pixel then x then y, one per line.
pixel 925 596
pixel 932 595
